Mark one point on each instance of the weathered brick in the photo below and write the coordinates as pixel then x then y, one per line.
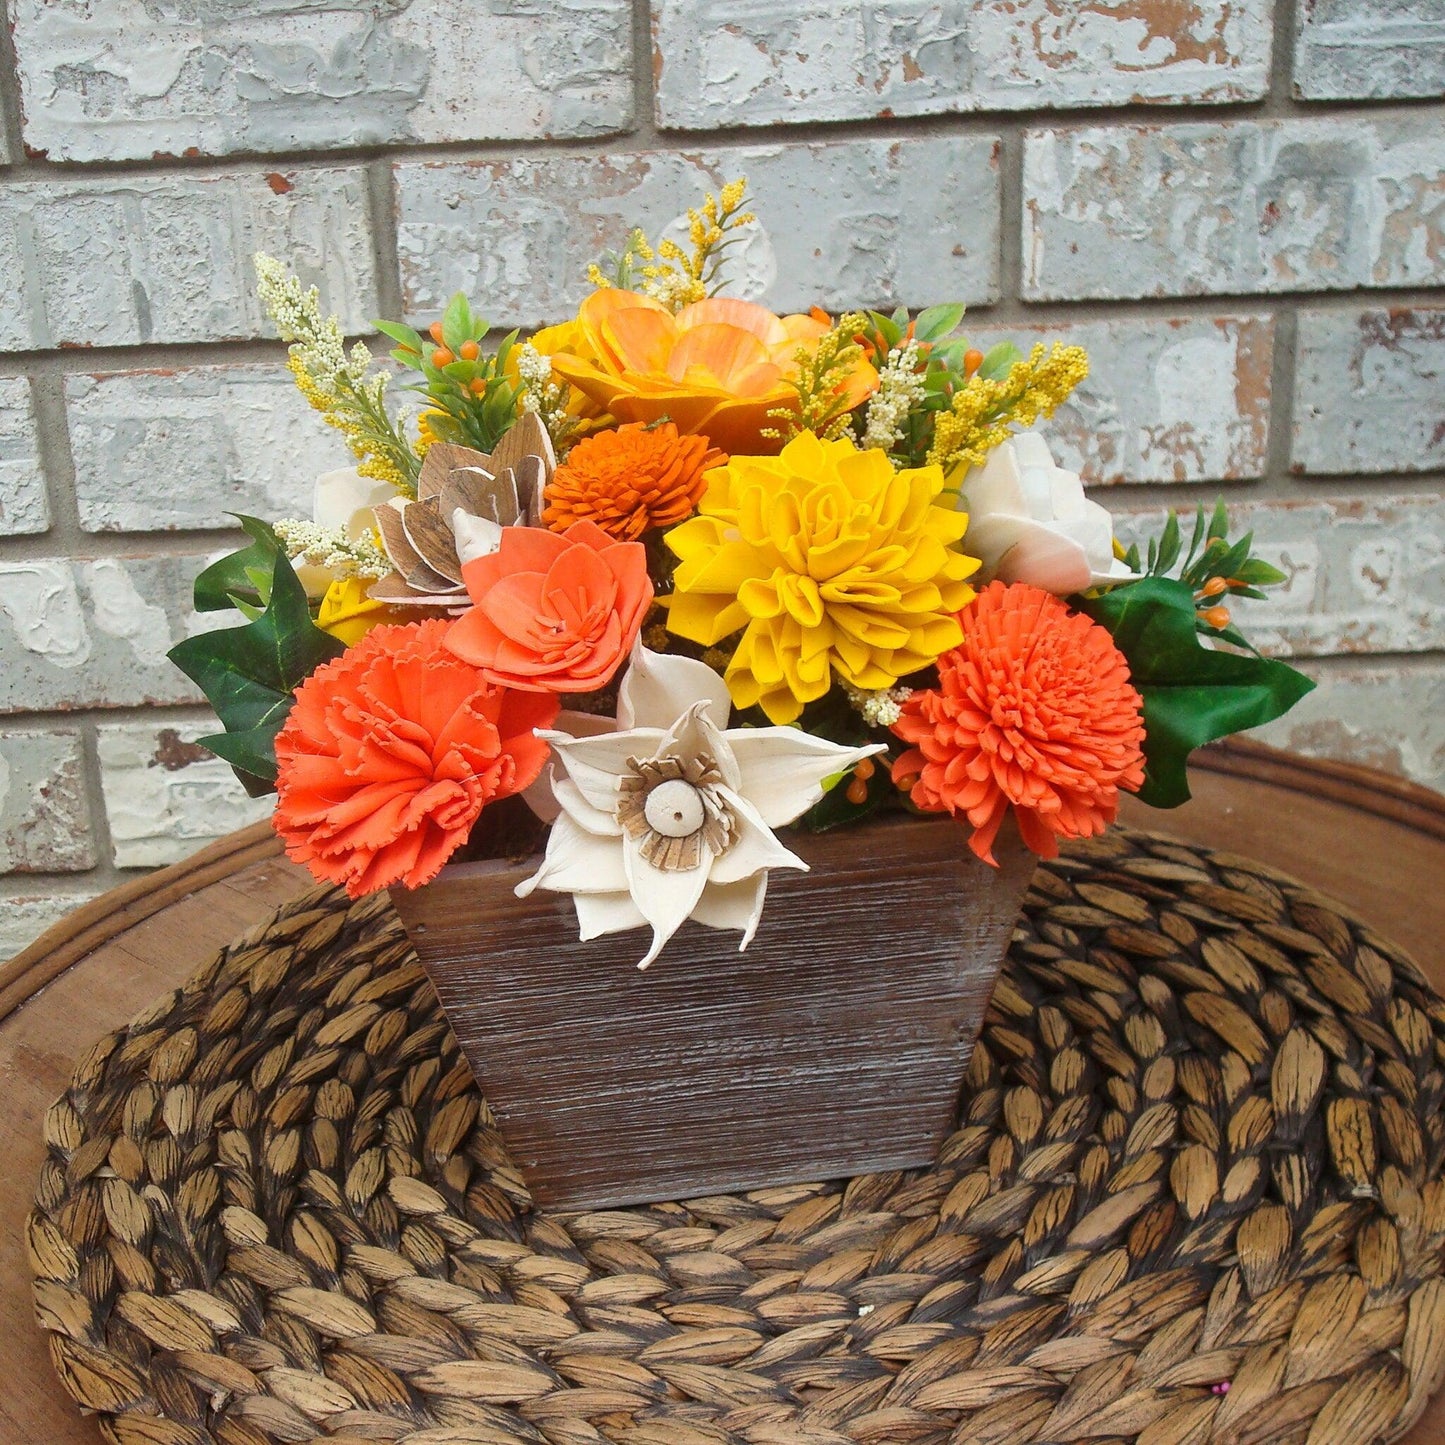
pixel 128 80
pixel 94 633
pixel 24 506
pixel 25 916
pixel 1388 715
pixel 1370 391
pixel 1369 49
pixel 1167 399
pixel 738 62
pixel 1241 206
pixel 840 224
pixel 182 448
pixel 164 796
pixel 1364 576
pixel 44 814
pixel 128 259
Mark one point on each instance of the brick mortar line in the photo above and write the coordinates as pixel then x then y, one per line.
pixel 1008 310
pixel 101 837
pixel 644 134
pixel 1282 56
pixel 11 116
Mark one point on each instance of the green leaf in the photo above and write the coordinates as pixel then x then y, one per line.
pixel 457 322
pixel 217 586
pixel 1192 694
pixel 249 674
pixel 1170 545
pixel 998 360
pixel 1258 573
pixel 936 322
pixel 888 329
pixel 408 339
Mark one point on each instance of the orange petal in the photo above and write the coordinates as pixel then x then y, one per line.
pixel 717 354
pixel 746 316
pixel 639 340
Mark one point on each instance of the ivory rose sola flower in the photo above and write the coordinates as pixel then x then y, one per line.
pixel 391 752
pixel 630 480
pixel 553 613
pixel 1034 711
pixel 829 561
pixel 716 368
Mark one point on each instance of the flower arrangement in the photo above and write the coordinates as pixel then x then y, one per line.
pixel 680 573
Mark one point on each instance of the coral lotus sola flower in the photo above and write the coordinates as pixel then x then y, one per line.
pixel 1029 521
pixel 716 368
pixel 391 752
pixel 1034 712
pixel 553 613
pixel 671 816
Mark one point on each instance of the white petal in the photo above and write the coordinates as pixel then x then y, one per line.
pixel 995 488
pixel 577 862
pixel 1047 558
pixel 783 769
pixel 658 687
pixel 539 797
pixel 596 763
pixel 570 801
pixel 599 913
pixel 693 735
pixel 476 536
pixel 344 498
pixel 314 578
pixel 666 898
pixel 734 905
pixel 756 848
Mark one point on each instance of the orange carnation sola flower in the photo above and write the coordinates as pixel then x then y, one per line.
pixel 717 368
pixel 391 752
pixel 630 480
pixel 554 612
pixel 1034 711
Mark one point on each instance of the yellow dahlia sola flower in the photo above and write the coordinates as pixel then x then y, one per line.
pixel 828 561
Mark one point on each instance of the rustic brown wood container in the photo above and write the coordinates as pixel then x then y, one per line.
pixel 835 1045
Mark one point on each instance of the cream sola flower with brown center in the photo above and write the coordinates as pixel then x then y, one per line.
pixel 669 815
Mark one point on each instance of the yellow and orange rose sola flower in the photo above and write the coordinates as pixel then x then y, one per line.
pixel 716 368
pixel 828 561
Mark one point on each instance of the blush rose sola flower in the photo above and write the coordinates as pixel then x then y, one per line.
pixel 1034 711
pixel 553 613
pixel 391 752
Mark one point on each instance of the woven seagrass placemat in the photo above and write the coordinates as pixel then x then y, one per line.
pixel 1194 1195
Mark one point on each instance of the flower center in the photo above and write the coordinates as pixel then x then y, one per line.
pixel 674 809
pixel 672 806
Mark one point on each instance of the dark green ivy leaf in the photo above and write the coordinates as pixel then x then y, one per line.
pixel 249 673
pixel 222 582
pixel 1192 694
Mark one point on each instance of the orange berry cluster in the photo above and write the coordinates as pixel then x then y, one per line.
pixel 857 793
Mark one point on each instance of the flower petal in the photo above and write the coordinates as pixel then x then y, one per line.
pixel 599 913
pixel 783 769
pixel 595 764
pixel 344 498
pixel 756 848
pixel 665 897
pixel 660 686
pixel 734 905
pixel 577 862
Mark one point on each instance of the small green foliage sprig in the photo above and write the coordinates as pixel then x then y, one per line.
pixel 922 364
pixel 1213 568
pixel 1192 691
pixel 474 396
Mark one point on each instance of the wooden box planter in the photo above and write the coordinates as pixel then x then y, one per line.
pixel 835 1045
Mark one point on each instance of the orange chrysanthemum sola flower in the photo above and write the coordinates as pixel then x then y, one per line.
pixel 630 480
pixel 391 752
pixel 1034 711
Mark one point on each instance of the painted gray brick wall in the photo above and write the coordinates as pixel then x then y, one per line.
pixel 1238 206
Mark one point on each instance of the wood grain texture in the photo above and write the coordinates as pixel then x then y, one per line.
pixel 1364 838
pixel 835 1045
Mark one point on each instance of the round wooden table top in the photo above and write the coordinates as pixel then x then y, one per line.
pixel 1372 842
